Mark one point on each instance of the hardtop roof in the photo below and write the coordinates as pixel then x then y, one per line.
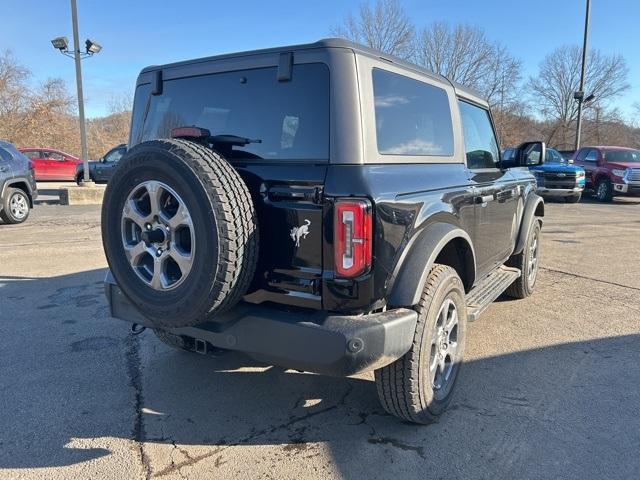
pixel 331 43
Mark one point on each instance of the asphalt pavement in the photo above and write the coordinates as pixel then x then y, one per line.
pixel 550 387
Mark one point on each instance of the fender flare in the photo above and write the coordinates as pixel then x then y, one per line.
pixel 14 181
pixel 414 266
pixel 535 203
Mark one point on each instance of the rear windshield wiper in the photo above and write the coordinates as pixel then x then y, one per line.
pixel 204 135
pixel 232 140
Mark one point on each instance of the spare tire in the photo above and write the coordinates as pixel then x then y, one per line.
pixel 179 232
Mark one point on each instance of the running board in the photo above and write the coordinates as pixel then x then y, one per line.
pixel 489 288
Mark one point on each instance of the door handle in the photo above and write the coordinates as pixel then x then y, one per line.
pixel 3 169
pixel 483 199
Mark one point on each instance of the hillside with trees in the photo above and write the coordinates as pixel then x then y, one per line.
pixel 539 107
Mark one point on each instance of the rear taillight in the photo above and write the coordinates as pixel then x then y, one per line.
pixel 352 237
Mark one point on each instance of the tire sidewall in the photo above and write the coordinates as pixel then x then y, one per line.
pixel 450 286
pixel 187 302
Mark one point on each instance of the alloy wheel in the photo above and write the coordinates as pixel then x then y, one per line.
pixel 158 235
pixel 19 206
pixel 533 260
pixel 444 349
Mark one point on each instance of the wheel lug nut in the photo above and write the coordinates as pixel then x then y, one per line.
pixel 148 226
pixel 159 252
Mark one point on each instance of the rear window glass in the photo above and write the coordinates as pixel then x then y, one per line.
pixel 412 117
pixel 290 119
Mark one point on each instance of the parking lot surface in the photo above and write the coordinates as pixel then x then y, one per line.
pixel 550 388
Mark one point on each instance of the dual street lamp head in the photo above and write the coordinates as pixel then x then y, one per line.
pixel 62 44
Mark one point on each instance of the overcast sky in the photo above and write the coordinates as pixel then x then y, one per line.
pixel 136 33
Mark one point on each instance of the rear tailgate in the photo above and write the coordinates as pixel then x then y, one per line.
pixel 288 204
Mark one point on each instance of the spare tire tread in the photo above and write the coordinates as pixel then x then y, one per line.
pixel 232 251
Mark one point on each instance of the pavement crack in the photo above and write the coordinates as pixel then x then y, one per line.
pixel 584 277
pixel 395 443
pixel 135 381
pixel 176 467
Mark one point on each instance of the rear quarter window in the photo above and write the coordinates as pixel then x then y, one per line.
pixel 412 117
pixel 290 119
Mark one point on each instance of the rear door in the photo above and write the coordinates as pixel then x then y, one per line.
pixel 39 163
pixel 54 165
pixel 284 164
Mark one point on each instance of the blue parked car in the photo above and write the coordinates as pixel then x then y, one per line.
pixel 556 177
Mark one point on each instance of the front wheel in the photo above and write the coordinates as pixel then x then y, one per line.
pixel 15 206
pixel 419 386
pixel 604 190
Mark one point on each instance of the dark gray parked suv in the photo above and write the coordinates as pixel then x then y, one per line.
pixel 17 184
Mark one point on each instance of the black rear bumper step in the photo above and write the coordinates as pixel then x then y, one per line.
pixel 319 342
pixel 489 288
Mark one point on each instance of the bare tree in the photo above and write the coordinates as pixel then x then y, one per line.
pixel 14 93
pixel 559 77
pixel 463 53
pixel 385 27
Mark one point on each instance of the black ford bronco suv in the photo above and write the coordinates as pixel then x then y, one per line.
pixel 322 207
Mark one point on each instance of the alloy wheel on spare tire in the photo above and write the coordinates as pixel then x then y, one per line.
pixel 179 231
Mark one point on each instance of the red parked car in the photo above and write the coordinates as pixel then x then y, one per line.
pixel 610 171
pixel 51 164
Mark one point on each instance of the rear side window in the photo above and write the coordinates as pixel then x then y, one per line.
pixel 480 142
pixel 289 119
pixel 412 117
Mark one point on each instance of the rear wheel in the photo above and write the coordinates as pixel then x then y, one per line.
pixel 15 206
pixel 419 386
pixel 527 262
pixel 179 232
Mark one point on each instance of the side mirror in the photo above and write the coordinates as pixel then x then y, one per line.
pixel 531 154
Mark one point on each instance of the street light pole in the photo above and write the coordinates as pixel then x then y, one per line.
pixel 579 95
pixel 76 57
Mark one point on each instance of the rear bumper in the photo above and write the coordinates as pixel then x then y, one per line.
pixel 319 342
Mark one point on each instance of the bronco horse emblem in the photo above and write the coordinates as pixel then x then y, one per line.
pixel 300 232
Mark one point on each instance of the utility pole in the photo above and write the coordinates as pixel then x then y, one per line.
pixel 579 95
pixel 91 48
pixel 76 57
